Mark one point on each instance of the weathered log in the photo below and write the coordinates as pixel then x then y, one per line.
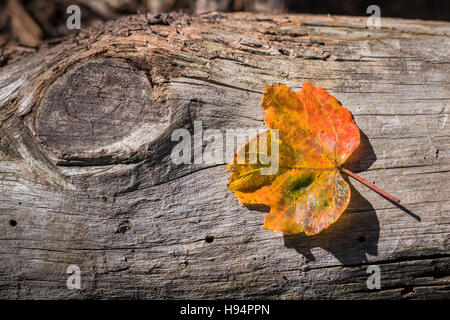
pixel 86 176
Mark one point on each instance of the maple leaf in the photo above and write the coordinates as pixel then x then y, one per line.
pixel 316 135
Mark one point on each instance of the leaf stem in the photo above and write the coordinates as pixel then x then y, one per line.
pixel 371 186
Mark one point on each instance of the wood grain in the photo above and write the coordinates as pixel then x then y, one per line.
pixel 86 176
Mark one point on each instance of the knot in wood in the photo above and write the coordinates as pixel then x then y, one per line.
pixel 93 105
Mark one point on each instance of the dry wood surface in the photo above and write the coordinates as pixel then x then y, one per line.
pixel 86 176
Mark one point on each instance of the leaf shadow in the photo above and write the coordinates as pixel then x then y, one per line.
pixel 349 240
pixel 363 157
pixel 361 160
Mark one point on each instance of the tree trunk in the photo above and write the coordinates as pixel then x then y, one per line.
pixel 86 176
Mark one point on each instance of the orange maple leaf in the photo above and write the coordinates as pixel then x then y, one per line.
pixel 316 135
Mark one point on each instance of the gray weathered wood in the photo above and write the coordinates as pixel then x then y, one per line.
pixel 86 176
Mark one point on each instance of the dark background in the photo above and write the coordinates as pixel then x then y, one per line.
pixel 30 22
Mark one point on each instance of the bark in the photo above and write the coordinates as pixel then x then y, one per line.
pixel 86 176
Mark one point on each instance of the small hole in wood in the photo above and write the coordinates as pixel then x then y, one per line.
pixel 12 223
pixel 209 238
pixel 361 239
